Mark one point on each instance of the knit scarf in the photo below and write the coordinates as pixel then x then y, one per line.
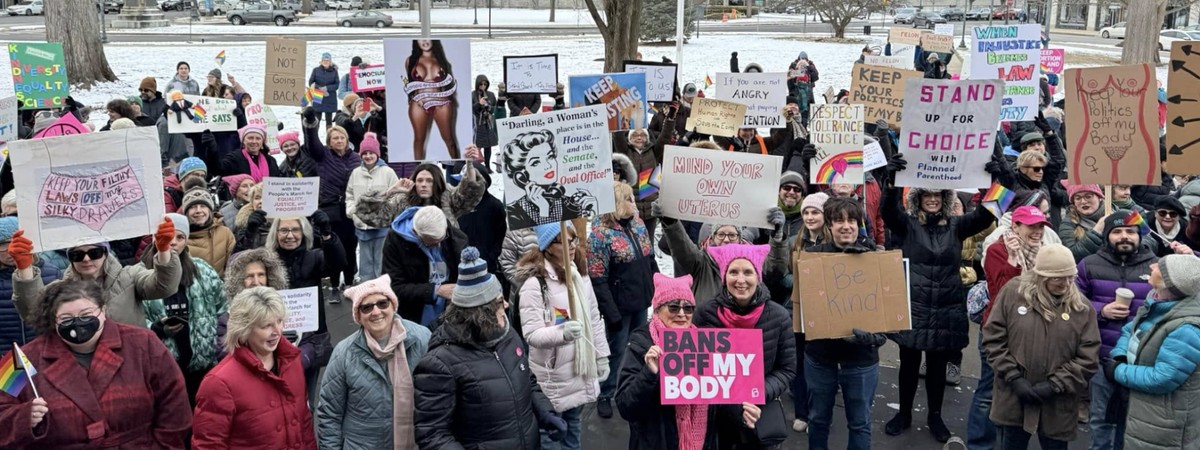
pixel 790 211
pixel 585 353
pixel 258 170
pixel 403 433
pixel 691 421
pixel 1027 254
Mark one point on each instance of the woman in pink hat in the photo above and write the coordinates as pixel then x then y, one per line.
pixel 252 158
pixel 1081 222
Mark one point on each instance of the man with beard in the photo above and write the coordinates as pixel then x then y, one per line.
pixel 1122 263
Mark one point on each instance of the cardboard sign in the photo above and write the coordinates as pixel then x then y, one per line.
pixel 719 187
pixel 946 29
pixel 290 197
pixel 286 75
pixel 1011 53
pixel 111 191
pixel 837 132
pixel 716 117
pixel 868 291
pixel 301 305
pixel 1053 60
pixel 1183 109
pixel 901 35
pixel 624 95
pixel 896 62
pixel 370 78
pixel 531 74
pixel 8 118
pixel 764 95
pixel 948 132
pixel 557 166
pixel 873 157
pixel 712 366
pixel 661 78
pixel 264 116
pixel 934 42
pixel 202 113
pixel 39 74
pixel 1112 127
pixel 429 99
pixel 881 91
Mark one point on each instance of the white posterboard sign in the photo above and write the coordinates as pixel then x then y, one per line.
pixel 948 131
pixel 290 197
pixel 302 314
pixel 8 117
pixel 1012 53
pixel 945 29
pixel 719 187
pixel 764 94
pixel 895 62
pixel 873 157
pixel 661 79
pixel 198 113
pixel 264 116
pixel 536 74
pixel 837 132
pixel 368 78
pixel 71 197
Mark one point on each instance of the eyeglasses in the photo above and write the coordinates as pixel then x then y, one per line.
pixel 572 241
pixel 1167 213
pixel 792 188
pixel 67 319
pixel 675 307
pixel 291 231
pixel 728 236
pixel 1037 169
pixel 93 254
pixel 366 308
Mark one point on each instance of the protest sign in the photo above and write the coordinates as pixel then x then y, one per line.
pixel 934 42
pixel 948 132
pixel 908 51
pixel 718 187
pixel 290 197
pixel 881 91
pixel 264 116
pixel 623 94
pixel 111 191
pixel 837 132
pixel 873 157
pixel 1183 109
pixel 286 74
pixel 202 113
pixel 1011 53
pixel 1111 119
pixel 6 81
pixel 946 29
pixel 716 117
pixel 301 305
pixel 1053 60
pixel 712 366
pixel 557 166
pixel 8 118
pixel 868 291
pixel 901 35
pixel 660 79
pixel 369 78
pixel 443 96
pixel 536 74
pixel 39 74
pixel 896 62
pixel 764 95
pixel 63 126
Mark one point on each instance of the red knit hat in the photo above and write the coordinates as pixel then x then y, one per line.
pixel 667 289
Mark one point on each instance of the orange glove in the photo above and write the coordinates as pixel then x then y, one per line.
pixel 164 235
pixel 21 250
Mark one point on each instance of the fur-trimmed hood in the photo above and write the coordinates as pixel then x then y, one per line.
pixel 235 272
pixel 625 165
pixel 913 199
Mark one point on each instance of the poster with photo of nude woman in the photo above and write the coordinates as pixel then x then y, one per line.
pixel 429 112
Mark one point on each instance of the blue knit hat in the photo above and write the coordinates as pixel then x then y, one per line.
pixel 8 226
pixel 476 286
pixel 547 233
pixel 190 164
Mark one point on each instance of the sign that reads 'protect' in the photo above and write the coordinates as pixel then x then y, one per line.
pixel 712 366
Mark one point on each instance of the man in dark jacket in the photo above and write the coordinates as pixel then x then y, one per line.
pixel 485 227
pixel 421 255
pixel 153 105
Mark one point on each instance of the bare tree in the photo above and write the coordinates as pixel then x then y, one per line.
pixel 553 7
pixel 306 6
pixel 619 28
pixel 839 13
pixel 77 25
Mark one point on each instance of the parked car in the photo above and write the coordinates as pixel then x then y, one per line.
pixel 406 4
pixel 27 8
pixel 927 20
pixel 345 4
pixel 1116 31
pixel 1166 37
pixel 1002 12
pixel 952 13
pixel 904 15
pixel 175 5
pixel 979 13
pixel 366 19
pixel 261 13
pixel 113 6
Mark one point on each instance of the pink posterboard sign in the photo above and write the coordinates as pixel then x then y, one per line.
pixel 368 78
pixel 65 125
pixel 712 366
pixel 1053 60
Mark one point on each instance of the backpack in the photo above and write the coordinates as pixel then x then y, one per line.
pixel 977 301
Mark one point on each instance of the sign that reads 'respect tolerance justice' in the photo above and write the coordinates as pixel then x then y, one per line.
pixel 712 366
pixel 948 132
pixel 724 187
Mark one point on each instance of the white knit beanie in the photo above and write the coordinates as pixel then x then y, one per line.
pixel 1181 273
pixel 430 222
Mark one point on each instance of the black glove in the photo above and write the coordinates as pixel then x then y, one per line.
pixel 995 166
pixel 1110 368
pixel 72 104
pixel 257 219
pixel 808 152
pixel 309 114
pixel 1041 123
pixel 280 126
pixel 868 339
pixel 734 54
pixel 208 140
pixel 552 423
pixel 881 127
pixel 1024 391
pixel 1118 405
pixel 612 324
pixel 1044 391
pixel 320 223
pixel 157 328
pixel 238 112
pixel 896 163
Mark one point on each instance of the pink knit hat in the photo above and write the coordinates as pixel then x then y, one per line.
pixel 233 181
pixel 667 289
pixel 285 136
pixel 252 128
pixel 1078 188
pixel 725 254
pixel 381 285
pixel 370 144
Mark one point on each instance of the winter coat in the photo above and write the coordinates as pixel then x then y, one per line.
pixel 999 272
pixel 189 86
pixel 235 163
pixel 1064 353
pixel 1090 241
pixel 551 356
pixel 355 128
pixel 475 398
pixel 455 202
pixel 621 265
pixel 172 148
pixel 841 352
pixel 355 412
pixel 243 405
pixel 934 249
pixel 334 171
pixel 405 262
pixel 644 161
pixel 206 303
pixel 131 398
pixel 690 259
pixel 125 286
pixel 518 101
pixel 516 244
pixel 367 181
pixel 651 424
pixel 485 227
pixel 228 214
pixel 327 79
pixel 12 327
pixel 154 108
pixel 213 244
pixel 299 166
pixel 1162 247
pixel 1189 194
pixel 1162 375
pixel 1101 274
pixel 485 122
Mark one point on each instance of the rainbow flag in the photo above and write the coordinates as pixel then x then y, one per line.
pixel 648 182
pixel 313 96
pixel 1135 219
pixel 997 199
pixel 220 59
pixel 198 113
pixel 838 165
pixel 15 371
pixel 561 316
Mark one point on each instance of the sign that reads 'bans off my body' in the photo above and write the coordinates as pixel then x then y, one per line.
pixel 712 366
pixel 290 197
pixel 719 187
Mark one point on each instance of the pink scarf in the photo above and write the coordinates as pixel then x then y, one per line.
pixel 690 420
pixel 403 433
pixel 257 171
pixel 732 320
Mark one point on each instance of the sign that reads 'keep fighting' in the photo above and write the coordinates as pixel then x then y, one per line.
pixel 623 94
pixel 712 366
pixel 725 187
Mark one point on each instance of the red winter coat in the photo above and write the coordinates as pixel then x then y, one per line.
pixel 998 271
pixel 242 405
pixel 133 396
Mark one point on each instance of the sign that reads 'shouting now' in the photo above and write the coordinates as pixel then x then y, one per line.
pixel 712 366
pixel 290 197
pixel 724 187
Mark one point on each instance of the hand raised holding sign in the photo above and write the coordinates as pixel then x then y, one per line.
pixel 750 414
pixel 651 358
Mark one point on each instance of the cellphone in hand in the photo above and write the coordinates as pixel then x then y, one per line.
pixel 365 106
pixel 175 320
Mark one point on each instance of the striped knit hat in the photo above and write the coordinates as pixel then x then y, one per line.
pixel 476 287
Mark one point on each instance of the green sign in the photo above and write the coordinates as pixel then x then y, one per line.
pixel 39 75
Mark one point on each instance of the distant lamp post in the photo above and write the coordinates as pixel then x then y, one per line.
pixel 103 28
pixel 962 40
pixel 475 3
pixel 489 19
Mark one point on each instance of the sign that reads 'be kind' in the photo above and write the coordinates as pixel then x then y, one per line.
pixel 711 366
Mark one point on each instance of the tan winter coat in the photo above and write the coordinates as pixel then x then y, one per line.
pixel 127 287
pixel 213 245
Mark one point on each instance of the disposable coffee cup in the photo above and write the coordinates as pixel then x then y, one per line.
pixel 1124 296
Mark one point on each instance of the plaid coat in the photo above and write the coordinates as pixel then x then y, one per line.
pixel 132 398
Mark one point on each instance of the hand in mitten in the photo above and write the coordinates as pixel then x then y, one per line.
pixel 257 219
pixel 1024 390
pixel 1044 391
pixel 320 223
pixel 309 114
pixel 896 163
pixel 656 209
pixel 868 339
pixel 775 217
pixel 995 166
pixel 21 250
pixel 164 235
pixel 208 140
pixel 808 152
pixel 1110 368
pixel 572 330
pixel 554 425
pixel 1041 123
pixel 602 369
pixel 881 127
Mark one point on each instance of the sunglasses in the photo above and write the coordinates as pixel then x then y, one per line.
pixel 1037 169
pixel 792 188
pixel 674 308
pixel 93 254
pixel 366 308
pixel 1166 213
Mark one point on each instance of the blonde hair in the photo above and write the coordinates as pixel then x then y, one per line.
pixel 1027 157
pixel 623 194
pixel 249 309
pixel 1033 291
pixel 335 128
pixel 9 199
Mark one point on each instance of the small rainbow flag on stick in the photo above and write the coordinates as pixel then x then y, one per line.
pixel 198 113
pixel 220 59
pixel 15 372
pixel 561 316
pixel 313 96
pixel 1135 219
pixel 649 181
pixel 707 81
pixel 997 199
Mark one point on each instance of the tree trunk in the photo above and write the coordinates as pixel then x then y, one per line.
pixel 619 28
pixel 839 27
pixel 553 7
pixel 77 25
pixel 306 7
pixel 1143 23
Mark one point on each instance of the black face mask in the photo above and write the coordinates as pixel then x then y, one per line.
pixel 79 330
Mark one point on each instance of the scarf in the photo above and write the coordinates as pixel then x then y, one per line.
pixel 1026 255
pixel 403 433
pixel 1169 234
pixel 733 315
pixel 585 353
pixel 792 211
pixel 259 170
pixel 691 421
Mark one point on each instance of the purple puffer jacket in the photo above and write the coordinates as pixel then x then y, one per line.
pixel 1101 274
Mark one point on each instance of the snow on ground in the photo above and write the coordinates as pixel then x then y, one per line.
pixel 202 29
pixel 501 17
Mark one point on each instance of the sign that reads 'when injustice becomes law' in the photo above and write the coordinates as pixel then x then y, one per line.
pixel 712 366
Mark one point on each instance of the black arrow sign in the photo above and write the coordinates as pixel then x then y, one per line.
pixel 1178 65
pixel 1187 50
pixel 1177 99
pixel 1180 121
pixel 1178 150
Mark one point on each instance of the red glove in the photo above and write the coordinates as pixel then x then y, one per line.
pixel 164 235
pixel 21 250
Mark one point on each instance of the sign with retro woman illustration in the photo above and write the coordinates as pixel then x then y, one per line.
pixel 557 166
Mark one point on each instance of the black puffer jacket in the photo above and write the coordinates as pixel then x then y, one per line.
pixel 409 269
pixel 934 249
pixel 473 398
pixel 299 166
pixel 651 425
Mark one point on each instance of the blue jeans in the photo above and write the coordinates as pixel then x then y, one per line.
pixel 370 259
pixel 981 432
pixel 1105 436
pixel 571 440
pixel 617 340
pixel 799 383
pixel 858 392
